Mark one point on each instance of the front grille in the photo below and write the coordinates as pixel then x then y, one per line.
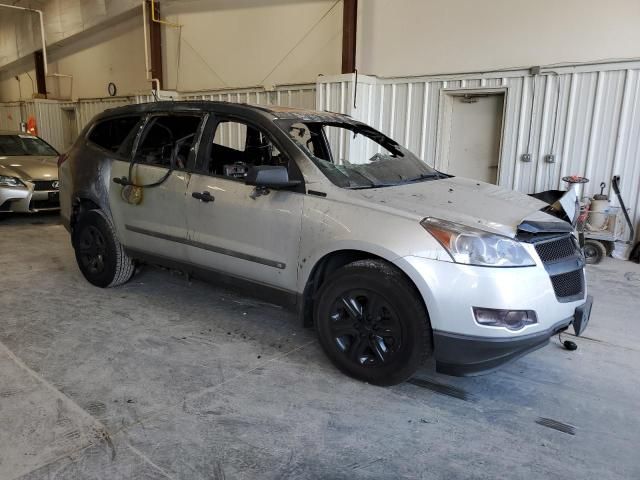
pixel 570 284
pixel 43 204
pixel 559 255
pixel 44 185
pixel 555 250
pixel 6 206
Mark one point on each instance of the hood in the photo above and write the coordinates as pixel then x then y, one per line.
pixel 468 202
pixel 30 167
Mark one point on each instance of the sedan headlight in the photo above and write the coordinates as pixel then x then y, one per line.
pixel 472 246
pixel 10 182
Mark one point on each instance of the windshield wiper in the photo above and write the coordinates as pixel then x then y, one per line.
pixel 373 185
pixel 424 176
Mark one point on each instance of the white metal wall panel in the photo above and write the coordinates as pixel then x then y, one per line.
pixel 588 116
pixel 10 116
pixel 297 96
pixel 49 120
pixel 86 109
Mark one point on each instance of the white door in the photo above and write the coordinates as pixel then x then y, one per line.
pixel 232 230
pixel 157 224
pixel 475 135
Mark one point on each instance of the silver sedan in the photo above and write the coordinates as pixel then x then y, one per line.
pixel 28 174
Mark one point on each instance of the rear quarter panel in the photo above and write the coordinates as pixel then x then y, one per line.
pixel 85 174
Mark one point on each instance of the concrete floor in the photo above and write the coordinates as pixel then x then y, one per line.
pixel 162 378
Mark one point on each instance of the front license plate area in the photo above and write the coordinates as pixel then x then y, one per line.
pixel 581 316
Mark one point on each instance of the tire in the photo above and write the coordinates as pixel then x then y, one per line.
pixel 372 324
pixel 594 251
pixel 100 256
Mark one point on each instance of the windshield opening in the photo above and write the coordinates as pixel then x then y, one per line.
pixel 24 145
pixel 355 155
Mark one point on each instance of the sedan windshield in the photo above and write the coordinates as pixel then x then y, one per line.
pixel 21 145
pixel 354 155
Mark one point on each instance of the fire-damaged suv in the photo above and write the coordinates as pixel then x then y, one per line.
pixel 390 260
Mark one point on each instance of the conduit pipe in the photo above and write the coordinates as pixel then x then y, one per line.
pixel 157 20
pixel 147 70
pixel 44 46
pixel 146 40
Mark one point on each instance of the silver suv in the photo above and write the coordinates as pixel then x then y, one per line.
pixel 390 260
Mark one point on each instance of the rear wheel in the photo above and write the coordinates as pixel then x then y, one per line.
pixel 372 324
pixel 100 256
pixel 594 251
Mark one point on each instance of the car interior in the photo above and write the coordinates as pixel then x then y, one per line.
pixel 167 141
pixel 237 146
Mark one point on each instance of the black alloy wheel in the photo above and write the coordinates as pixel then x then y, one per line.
pixel 365 327
pixel 92 250
pixel 372 322
pixel 100 255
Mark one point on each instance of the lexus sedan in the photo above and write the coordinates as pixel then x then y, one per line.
pixel 28 174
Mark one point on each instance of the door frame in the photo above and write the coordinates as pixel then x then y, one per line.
pixel 66 123
pixel 445 116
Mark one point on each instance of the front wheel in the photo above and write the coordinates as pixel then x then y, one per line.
pixel 100 256
pixel 372 323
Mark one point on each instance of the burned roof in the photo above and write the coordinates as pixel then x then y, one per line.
pixel 273 111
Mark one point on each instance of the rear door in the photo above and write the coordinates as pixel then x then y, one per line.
pixel 151 219
pixel 232 230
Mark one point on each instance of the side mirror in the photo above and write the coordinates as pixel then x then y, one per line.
pixel 270 176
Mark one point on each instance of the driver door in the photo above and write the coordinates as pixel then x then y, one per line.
pixel 232 230
pixel 163 152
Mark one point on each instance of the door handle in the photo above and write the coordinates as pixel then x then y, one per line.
pixel 203 196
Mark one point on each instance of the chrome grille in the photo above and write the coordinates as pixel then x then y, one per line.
pixel 568 284
pixel 555 250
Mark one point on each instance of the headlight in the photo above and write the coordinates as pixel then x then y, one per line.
pixel 472 246
pixel 10 182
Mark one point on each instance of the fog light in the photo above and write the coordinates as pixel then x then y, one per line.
pixel 511 319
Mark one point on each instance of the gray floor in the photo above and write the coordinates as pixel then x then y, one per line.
pixel 162 378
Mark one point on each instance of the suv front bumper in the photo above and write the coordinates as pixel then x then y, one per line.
pixel 451 291
pixel 464 355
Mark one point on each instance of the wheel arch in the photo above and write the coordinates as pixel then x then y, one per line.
pixel 80 204
pixel 330 262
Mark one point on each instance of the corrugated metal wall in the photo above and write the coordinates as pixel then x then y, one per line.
pixel 298 95
pixel 588 116
pixel 88 108
pixel 51 120
pixel 11 114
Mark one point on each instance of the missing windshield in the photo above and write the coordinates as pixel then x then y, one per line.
pixel 354 155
